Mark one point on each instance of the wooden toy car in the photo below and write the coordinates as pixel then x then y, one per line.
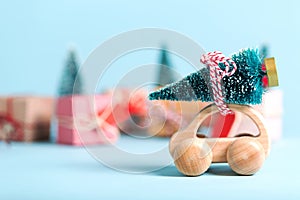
pixel 236 82
pixel 245 154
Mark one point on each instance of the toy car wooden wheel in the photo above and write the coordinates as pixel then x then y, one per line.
pixel 193 155
pixel 245 156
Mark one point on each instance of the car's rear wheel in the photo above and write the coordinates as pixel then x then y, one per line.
pixel 245 156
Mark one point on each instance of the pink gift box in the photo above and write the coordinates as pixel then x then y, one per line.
pixel 272 110
pixel 82 120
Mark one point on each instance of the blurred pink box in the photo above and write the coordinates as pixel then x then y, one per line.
pixel 80 120
pixel 272 110
pixel 25 118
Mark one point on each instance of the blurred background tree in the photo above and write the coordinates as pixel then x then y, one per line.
pixel 70 75
pixel 264 51
pixel 166 74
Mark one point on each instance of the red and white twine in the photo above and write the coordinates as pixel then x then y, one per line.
pixel 212 60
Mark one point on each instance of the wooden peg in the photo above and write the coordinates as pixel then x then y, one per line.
pixel 271 72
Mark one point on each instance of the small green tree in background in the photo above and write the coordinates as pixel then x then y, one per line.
pixel 166 74
pixel 264 51
pixel 70 74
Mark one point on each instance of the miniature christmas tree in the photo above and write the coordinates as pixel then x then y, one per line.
pixel 70 74
pixel 166 74
pixel 243 87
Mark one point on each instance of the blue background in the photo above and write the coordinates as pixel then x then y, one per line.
pixel 35 36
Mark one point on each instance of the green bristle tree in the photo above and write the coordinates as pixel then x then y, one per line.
pixel 70 74
pixel 243 87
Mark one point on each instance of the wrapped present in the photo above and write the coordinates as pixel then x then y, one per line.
pixel 25 118
pixel 86 120
pixel 271 108
pixel 136 114
pixel 127 103
pixel 132 113
pixel 168 116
